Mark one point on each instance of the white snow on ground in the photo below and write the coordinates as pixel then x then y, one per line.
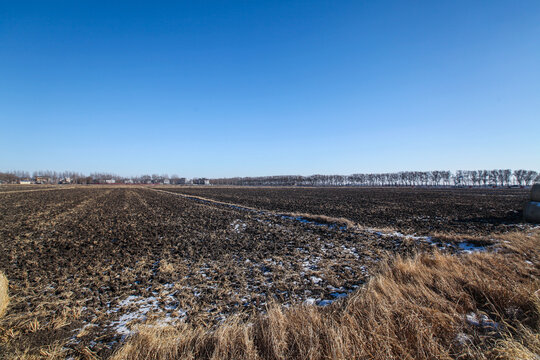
pixel 318 302
pixel 310 263
pixel 351 250
pixel 398 234
pixel 325 302
pixel 338 295
pixel 136 309
pixel 482 321
pixel 310 301
pixel 464 246
pixel 364 270
pixel 467 247
pixel 472 319
pixel 143 306
pixel 463 338
pixel 238 225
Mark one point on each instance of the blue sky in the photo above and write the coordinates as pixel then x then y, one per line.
pixel 245 88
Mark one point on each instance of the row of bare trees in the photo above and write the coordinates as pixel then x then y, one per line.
pixel 498 177
pixel 54 177
pixel 51 176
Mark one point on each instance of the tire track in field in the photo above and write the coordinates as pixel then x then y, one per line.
pixel 340 224
pixel 320 220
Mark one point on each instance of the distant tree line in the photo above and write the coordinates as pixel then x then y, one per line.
pixel 41 176
pixel 70 177
pixel 498 177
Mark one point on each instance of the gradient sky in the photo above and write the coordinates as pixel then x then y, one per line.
pixel 244 88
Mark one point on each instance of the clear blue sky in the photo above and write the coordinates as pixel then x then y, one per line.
pixel 242 88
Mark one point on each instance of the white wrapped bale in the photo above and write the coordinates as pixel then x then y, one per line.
pixel 531 213
pixel 535 192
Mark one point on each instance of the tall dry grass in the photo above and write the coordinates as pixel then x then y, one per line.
pixel 413 309
pixel 4 295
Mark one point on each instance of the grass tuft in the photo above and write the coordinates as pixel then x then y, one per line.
pixel 4 294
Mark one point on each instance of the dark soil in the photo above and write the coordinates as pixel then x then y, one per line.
pixel 86 264
pixel 409 210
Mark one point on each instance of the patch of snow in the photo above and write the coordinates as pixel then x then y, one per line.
pixel 238 225
pixel 488 324
pixel 472 319
pixel 310 301
pixel 325 302
pixel 399 235
pixel 143 306
pixel 463 338
pixel 468 247
pixel 483 321
pixel 364 270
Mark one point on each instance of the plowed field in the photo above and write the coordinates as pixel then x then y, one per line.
pixel 87 264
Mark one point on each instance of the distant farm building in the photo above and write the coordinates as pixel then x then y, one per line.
pixel 25 182
pixel 201 181
pixel 42 180
pixel 110 181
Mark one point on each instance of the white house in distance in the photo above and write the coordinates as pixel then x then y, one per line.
pixel 200 181
pixel 110 181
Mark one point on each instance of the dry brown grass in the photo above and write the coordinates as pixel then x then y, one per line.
pixel 55 351
pixel 414 309
pixel 4 295
pixel 166 267
pixel 526 347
